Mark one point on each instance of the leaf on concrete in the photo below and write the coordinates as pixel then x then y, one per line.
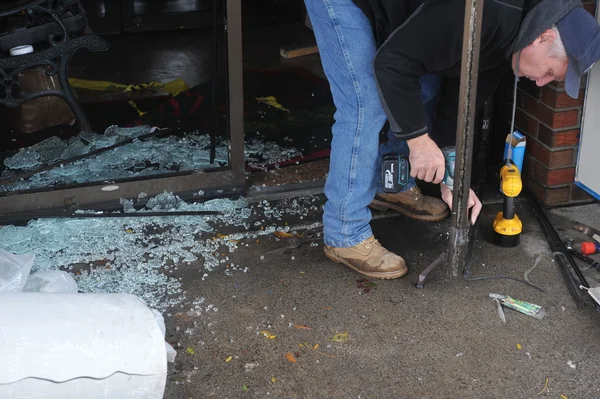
pixel 282 234
pixel 228 359
pixel 299 327
pixel 342 337
pixel 191 350
pixel 290 357
pixel 268 335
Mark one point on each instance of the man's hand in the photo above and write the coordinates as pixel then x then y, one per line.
pixel 426 159
pixel 474 204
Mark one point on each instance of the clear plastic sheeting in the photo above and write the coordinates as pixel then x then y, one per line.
pixel 160 320
pixel 14 270
pixel 137 159
pixel 54 281
pixel 138 255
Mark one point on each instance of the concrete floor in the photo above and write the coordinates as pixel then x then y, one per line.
pixel 444 341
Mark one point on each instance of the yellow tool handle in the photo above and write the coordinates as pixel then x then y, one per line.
pixel 510 181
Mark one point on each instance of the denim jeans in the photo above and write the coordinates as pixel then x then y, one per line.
pixel 347 47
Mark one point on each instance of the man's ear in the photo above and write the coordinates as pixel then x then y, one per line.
pixel 547 36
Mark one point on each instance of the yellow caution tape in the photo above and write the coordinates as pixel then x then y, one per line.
pixel 174 87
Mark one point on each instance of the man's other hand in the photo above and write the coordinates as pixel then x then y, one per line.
pixel 426 159
pixel 474 204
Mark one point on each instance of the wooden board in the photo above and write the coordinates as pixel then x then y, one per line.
pixel 303 43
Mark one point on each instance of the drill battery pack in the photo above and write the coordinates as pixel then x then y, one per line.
pixel 395 173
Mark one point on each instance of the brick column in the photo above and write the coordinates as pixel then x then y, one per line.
pixel 551 120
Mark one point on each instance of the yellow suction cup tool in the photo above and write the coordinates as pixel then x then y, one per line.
pixel 507 225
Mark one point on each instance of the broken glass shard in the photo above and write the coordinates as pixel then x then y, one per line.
pixel 50 149
pixel 128 132
pixel 27 159
pixel 142 158
pixel 134 255
pixel 74 149
pixel 163 202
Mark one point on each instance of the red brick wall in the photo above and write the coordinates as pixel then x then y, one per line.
pixel 551 120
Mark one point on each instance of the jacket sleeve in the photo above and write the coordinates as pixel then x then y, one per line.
pixel 445 124
pixel 429 41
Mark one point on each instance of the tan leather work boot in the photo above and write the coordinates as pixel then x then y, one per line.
pixel 369 258
pixel 413 204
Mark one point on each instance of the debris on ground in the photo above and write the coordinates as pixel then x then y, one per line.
pixel 139 255
pixel 282 234
pixel 301 327
pixel 342 337
pixel 365 284
pixel 290 357
pixel 527 308
pixel 594 293
pixel 545 388
pixel 151 156
pixel 268 335
pixel 54 149
pixel 312 349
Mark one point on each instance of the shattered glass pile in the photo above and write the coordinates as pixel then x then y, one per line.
pixel 151 156
pixel 54 149
pixel 138 255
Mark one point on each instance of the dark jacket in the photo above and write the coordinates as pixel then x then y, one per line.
pixel 425 36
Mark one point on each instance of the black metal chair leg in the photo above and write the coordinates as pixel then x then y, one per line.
pixel 69 96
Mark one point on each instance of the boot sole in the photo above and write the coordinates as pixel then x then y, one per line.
pixel 381 275
pixel 386 206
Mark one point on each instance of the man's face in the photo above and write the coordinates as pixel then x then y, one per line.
pixel 537 62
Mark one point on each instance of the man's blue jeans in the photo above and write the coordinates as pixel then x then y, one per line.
pixel 347 48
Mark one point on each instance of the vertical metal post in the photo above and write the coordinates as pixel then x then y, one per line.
pixel 235 88
pixel 217 22
pixel 459 232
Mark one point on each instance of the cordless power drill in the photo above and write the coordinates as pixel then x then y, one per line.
pixel 395 170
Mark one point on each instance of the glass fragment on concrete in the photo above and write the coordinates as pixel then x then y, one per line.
pixel 138 255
